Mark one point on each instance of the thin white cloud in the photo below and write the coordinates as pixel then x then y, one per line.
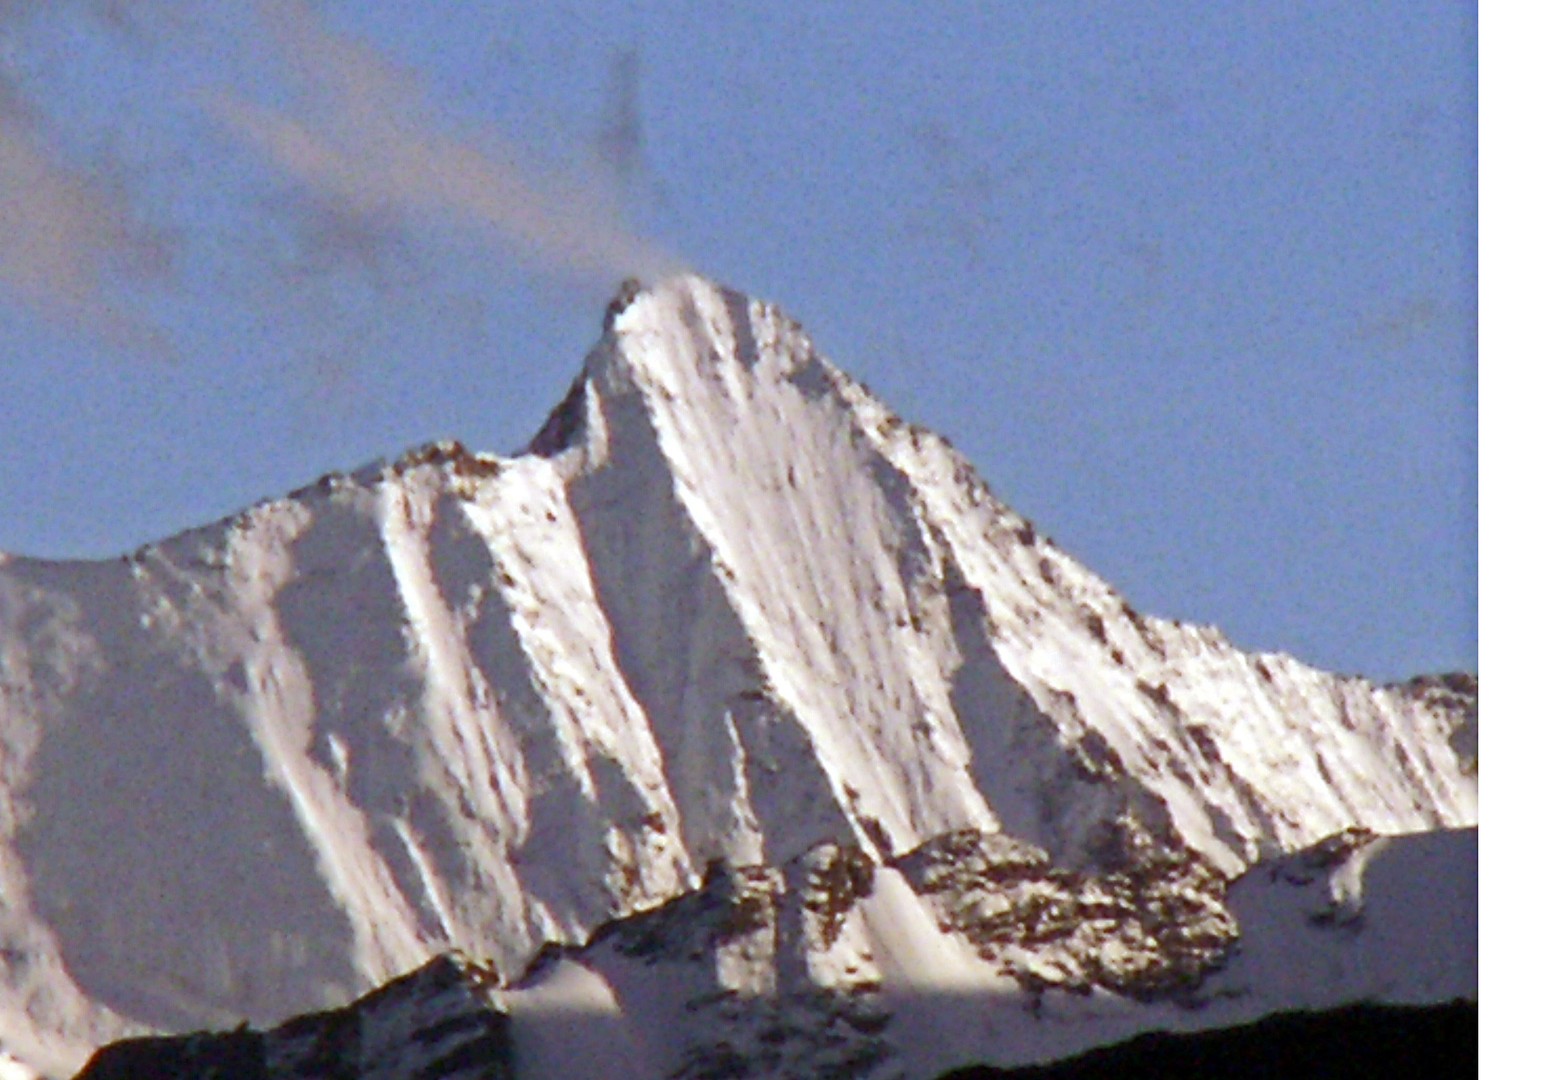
pixel 359 138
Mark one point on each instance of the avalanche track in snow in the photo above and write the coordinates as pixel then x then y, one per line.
pixel 724 608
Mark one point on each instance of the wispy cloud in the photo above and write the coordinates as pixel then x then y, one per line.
pixel 371 180
pixel 361 139
pixel 67 232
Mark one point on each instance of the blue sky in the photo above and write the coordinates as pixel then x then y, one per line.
pixel 1193 284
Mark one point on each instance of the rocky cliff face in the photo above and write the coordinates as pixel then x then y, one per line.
pixel 725 611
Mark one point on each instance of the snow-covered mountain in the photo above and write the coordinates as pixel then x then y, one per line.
pixel 728 645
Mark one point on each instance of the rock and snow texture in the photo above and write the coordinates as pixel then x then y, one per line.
pixel 836 966
pixel 724 609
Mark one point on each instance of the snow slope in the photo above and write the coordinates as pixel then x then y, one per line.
pixel 725 608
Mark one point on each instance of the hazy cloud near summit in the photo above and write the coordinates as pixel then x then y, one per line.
pixel 354 169
pixel 361 137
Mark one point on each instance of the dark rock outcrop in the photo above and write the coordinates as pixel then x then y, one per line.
pixel 435 1023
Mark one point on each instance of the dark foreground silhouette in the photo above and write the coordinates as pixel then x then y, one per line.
pixel 1356 1042
pixel 1415 1042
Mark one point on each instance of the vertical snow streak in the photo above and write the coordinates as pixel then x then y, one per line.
pixel 281 712
pixel 428 881
pixel 561 792
pixel 582 708
pixel 459 703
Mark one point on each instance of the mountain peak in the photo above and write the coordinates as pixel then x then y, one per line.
pixel 687 336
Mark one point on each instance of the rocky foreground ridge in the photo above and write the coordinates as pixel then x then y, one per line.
pixel 1381 934
pixel 728 645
